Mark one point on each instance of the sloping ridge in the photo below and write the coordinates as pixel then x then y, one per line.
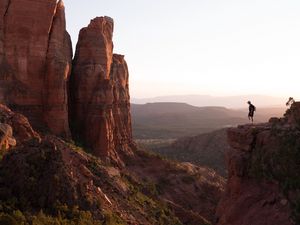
pixel 204 150
pixel 70 184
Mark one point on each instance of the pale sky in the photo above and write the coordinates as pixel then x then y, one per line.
pixel 214 47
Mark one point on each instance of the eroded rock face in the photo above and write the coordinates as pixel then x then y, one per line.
pixel 263 172
pixel 35 60
pixel 99 95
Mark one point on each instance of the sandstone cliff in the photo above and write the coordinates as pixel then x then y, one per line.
pixel 35 60
pixel 99 95
pixel 263 173
pixel 35 65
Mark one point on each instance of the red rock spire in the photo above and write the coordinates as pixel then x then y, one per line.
pixel 99 109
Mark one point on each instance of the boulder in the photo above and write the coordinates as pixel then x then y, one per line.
pixel 16 126
pixel 6 136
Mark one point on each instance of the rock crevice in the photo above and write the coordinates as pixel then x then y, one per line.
pixel 51 26
pixel 6 9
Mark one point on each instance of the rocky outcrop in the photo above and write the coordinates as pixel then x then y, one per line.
pixel 21 128
pixel 6 137
pixel 99 95
pixel 35 60
pixel 263 173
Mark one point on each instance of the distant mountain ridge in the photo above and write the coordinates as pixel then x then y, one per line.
pixel 172 120
pixel 238 101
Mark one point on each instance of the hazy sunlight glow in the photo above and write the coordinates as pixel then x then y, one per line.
pixel 211 47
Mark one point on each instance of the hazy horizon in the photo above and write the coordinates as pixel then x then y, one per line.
pixel 231 102
pixel 202 47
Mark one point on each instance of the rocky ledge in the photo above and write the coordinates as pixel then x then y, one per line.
pixel 263 185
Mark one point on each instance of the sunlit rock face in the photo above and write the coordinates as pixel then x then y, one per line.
pixel 99 94
pixel 35 61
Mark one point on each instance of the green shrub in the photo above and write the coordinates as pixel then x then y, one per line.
pixel 64 216
pixel 113 219
pixel 6 219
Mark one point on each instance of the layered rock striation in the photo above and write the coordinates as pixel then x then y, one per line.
pixel 35 61
pixel 99 94
pixel 263 173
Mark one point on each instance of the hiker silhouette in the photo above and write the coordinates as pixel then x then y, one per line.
pixel 251 111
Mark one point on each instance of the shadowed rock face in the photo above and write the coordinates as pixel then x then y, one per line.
pixel 99 95
pixel 35 60
pixel 263 173
pixel 121 104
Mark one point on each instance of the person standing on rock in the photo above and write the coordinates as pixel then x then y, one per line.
pixel 251 111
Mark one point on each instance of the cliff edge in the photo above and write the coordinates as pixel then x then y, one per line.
pixel 263 185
